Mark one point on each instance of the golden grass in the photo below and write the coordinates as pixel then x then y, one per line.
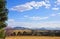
pixel 32 37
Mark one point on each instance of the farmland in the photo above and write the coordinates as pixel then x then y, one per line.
pixel 32 37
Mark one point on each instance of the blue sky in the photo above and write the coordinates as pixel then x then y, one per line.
pixel 34 13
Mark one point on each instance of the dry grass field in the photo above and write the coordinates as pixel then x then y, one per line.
pixel 32 37
pixel 29 37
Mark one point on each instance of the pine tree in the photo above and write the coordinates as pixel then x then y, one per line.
pixel 3 14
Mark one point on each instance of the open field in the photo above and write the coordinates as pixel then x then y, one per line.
pixel 31 37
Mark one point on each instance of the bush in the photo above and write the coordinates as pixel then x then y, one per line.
pixel 2 35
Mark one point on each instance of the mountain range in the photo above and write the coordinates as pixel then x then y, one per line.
pixel 42 28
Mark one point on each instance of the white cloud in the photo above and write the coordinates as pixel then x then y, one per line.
pixel 22 8
pixel 46 5
pixel 58 2
pixel 58 14
pixel 34 24
pixel 30 5
pixel 36 5
pixel 47 1
pixel 53 14
pixel 25 16
pixel 11 20
pixel 36 18
pixel 55 8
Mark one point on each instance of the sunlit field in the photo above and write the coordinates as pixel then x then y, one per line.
pixel 31 37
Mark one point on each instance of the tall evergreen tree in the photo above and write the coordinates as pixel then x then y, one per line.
pixel 3 14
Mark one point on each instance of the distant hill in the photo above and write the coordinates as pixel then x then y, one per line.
pixel 22 28
pixel 49 28
pixel 56 28
pixel 39 29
